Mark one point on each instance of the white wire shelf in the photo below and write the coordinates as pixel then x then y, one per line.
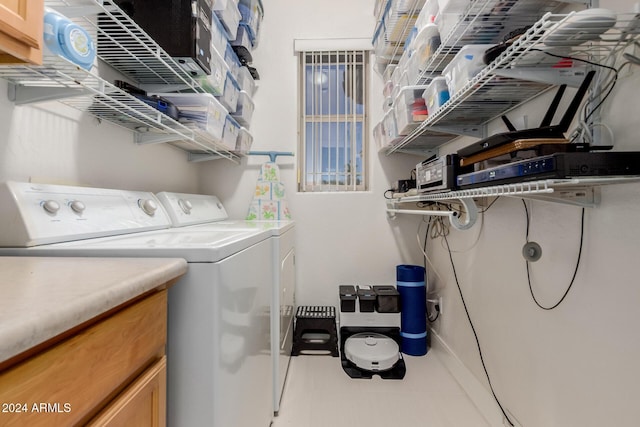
pixel 583 192
pixel 122 44
pixel 505 83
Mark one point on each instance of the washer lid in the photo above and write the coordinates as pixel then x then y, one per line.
pixel 371 351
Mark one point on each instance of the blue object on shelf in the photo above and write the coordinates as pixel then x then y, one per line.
pixel 413 317
pixel 65 38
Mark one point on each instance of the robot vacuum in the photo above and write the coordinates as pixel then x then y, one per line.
pixel 371 351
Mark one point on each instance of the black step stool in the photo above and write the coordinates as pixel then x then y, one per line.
pixel 315 330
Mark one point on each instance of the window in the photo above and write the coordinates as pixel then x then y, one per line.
pixel 333 121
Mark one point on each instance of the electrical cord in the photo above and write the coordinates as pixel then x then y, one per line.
pixel 608 87
pixel 575 271
pixel 424 251
pixel 475 334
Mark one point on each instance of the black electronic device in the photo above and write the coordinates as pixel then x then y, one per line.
pixel 556 166
pixel 545 131
pixel 438 173
pixel 181 28
pixel 161 104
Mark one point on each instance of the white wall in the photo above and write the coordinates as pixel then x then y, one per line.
pixel 50 142
pixel 341 237
pixel 575 365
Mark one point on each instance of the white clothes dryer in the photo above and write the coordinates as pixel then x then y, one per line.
pixel 219 352
pixel 206 212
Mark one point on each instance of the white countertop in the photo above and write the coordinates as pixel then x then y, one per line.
pixel 44 297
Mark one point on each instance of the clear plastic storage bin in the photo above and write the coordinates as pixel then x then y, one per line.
pixel 242 39
pixel 214 82
pixel 229 15
pixel 232 61
pixel 246 81
pixel 218 35
pixel 229 97
pixel 464 66
pixel 410 109
pixel 427 42
pixel 390 128
pixel 244 110
pixel 230 134
pixel 244 142
pixel 379 136
pixel 436 94
pixel 200 110
pixel 252 13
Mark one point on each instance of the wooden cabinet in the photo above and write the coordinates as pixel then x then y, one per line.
pixel 143 403
pixel 21 23
pixel 115 363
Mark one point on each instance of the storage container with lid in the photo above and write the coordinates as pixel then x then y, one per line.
pixel 379 135
pixel 218 35
pixel 246 81
pixel 229 15
pixel 427 42
pixel 200 111
pixel 244 110
pixel 464 66
pixel 229 97
pixel 214 82
pixel 244 141
pixel 389 127
pixel 230 133
pixel 410 109
pixel 436 94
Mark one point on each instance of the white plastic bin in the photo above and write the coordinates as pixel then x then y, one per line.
pixel 229 15
pixel 230 134
pixel 201 110
pixel 244 142
pixel 244 110
pixel 464 66
pixel 436 94
pixel 410 109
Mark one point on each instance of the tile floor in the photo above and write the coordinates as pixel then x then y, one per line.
pixel 319 394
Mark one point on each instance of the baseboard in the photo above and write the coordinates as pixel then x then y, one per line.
pixel 479 395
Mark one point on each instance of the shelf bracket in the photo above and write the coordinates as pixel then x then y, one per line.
pixel 150 137
pixel 470 214
pixel 586 197
pixel 23 95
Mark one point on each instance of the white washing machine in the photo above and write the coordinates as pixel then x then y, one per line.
pixel 219 351
pixel 205 212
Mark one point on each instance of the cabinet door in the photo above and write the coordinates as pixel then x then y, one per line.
pixel 21 31
pixel 142 404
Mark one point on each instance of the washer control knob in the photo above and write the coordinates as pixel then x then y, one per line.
pixel 50 206
pixel 185 205
pixel 77 206
pixel 148 206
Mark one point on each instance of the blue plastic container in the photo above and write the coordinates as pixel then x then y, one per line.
pixel 413 315
pixel 65 38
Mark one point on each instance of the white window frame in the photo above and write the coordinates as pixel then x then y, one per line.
pixel 341 177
